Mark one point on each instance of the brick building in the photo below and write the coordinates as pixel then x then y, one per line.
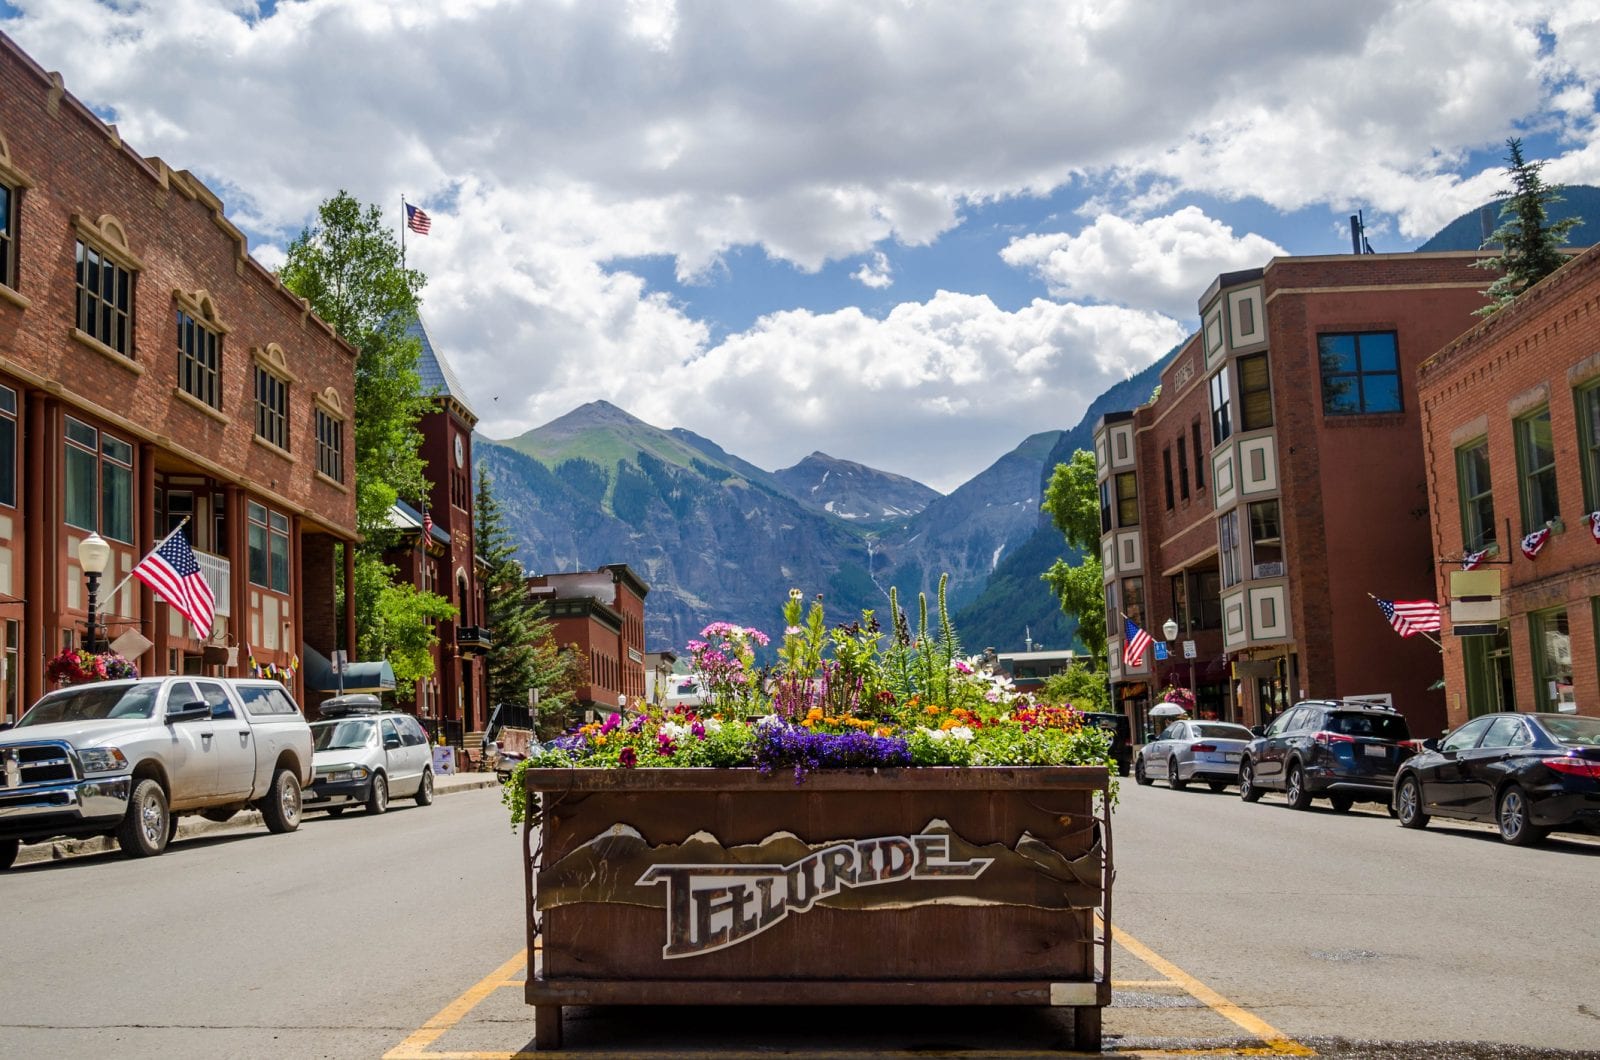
pixel 151 370
pixel 436 551
pixel 1276 481
pixel 601 612
pixel 1511 415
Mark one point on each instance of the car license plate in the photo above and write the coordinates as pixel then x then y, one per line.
pixel 1377 750
pixel 1232 756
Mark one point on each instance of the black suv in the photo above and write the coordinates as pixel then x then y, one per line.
pixel 1344 751
pixel 1115 725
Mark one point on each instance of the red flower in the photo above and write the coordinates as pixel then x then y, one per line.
pixel 628 758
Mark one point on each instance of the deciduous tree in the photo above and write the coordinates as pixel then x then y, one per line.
pixel 1072 501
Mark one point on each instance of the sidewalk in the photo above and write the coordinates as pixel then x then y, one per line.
pixel 33 853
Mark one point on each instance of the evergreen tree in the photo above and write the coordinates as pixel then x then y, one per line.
pixel 1530 245
pixel 525 655
pixel 347 267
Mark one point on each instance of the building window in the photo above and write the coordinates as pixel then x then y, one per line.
pixel 197 360
pixel 1552 662
pixel 8 229
pixel 272 409
pixel 1205 600
pixel 1266 540
pixel 1589 439
pixel 1127 499
pixel 105 299
pixel 1360 373
pixel 1221 408
pixel 1183 466
pixel 330 446
pixel 1166 471
pixel 1228 548
pixel 1133 600
pixel 1536 468
pixel 99 482
pixel 1199 458
pixel 269 548
pixel 1178 586
pixel 1255 393
pixel 1477 495
pixel 1105 507
pixel 8 447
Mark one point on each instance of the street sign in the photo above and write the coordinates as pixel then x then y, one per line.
pixel 1189 650
pixel 340 661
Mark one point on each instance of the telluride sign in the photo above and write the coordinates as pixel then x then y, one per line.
pixel 710 907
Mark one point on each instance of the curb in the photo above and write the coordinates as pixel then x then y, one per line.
pixel 188 827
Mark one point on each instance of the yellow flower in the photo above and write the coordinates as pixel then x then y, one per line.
pixel 814 714
pixel 949 723
pixel 884 730
pixel 599 741
pixel 931 708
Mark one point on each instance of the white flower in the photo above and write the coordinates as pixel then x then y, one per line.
pixel 673 731
pixel 711 725
pixel 935 735
pixel 961 732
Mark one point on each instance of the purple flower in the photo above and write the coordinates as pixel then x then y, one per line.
pixel 636 724
pixel 628 758
pixel 807 751
pixel 664 745
pixel 699 730
pixel 612 721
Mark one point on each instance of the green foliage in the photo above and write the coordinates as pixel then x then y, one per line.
pixel 1082 593
pixel 585 478
pixel 508 609
pixel 404 632
pixel 1530 244
pixel 1080 687
pixel 631 497
pixel 1072 500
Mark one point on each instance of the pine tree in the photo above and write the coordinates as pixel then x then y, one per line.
pixel 1530 245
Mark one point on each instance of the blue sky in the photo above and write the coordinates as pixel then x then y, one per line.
pixel 906 233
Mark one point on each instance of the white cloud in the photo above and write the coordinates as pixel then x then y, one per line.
pixel 875 273
pixel 1163 263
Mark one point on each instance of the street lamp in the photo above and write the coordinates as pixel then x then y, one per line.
pixel 93 555
pixel 1170 628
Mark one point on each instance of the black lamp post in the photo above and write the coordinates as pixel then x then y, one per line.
pixel 93 555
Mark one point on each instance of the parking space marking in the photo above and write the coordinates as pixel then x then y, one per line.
pixel 1278 1043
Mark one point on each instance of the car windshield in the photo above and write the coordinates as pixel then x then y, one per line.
pixel 343 735
pixel 1578 732
pixel 94 703
pixel 1222 731
pixel 1376 726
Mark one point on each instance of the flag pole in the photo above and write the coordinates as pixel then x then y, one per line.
pixel 163 541
pixel 1419 632
pixel 402 233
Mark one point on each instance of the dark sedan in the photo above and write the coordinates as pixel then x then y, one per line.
pixel 1530 774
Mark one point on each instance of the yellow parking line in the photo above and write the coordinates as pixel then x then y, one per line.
pixel 417 1044
pixel 1128 984
pixel 1278 1043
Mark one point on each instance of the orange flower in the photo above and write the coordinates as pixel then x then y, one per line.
pixel 884 730
pixel 931 708
pixel 599 741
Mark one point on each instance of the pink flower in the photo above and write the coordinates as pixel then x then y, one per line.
pixel 628 758
pixel 612 722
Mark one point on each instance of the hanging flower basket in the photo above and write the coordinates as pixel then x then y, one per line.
pixel 74 666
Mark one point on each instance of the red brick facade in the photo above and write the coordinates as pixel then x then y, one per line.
pixel 1532 367
pixel 601 614
pixel 114 440
pixel 1321 508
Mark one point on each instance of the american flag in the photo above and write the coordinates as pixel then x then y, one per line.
pixel 1534 543
pixel 1138 643
pixel 173 573
pixel 427 524
pixel 1411 616
pixel 1474 560
pixel 417 221
pixel 1594 524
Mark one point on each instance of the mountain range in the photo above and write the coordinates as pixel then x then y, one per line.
pixel 717 537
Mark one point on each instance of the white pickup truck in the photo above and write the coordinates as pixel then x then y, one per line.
pixel 127 758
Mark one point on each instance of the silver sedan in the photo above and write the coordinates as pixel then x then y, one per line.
pixel 1193 750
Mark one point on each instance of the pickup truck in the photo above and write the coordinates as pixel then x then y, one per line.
pixel 127 758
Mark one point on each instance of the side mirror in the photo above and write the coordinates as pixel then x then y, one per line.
pixel 1258 730
pixel 391 743
pixel 1149 737
pixel 194 710
pixel 4 725
pixel 1430 744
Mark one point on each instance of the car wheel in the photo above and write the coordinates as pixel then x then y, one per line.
pixel 143 831
pixel 1295 789
pixel 425 789
pixel 1247 782
pixel 378 799
pixel 1407 805
pixel 1218 785
pixel 1512 815
pixel 8 852
pixel 281 810
pixel 1138 772
pixel 1174 781
pixel 1341 803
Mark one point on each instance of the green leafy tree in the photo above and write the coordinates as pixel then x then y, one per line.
pixel 347 266
pixel 1072 500
pixel 1530 244
pixel 1081 686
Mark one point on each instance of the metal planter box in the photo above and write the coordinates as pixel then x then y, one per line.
pixel 924 886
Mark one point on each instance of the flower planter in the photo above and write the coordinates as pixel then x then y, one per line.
pixel 922 886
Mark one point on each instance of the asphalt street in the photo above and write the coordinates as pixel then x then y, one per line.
pixel 1240 929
